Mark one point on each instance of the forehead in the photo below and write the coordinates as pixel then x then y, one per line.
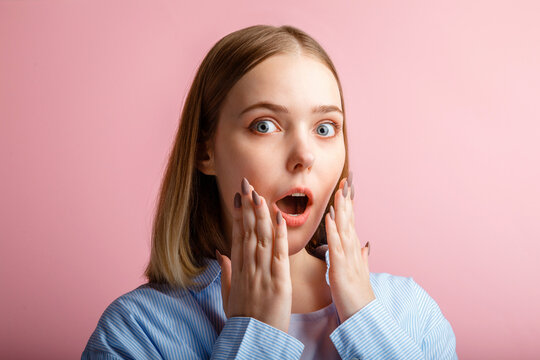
pixel 296 81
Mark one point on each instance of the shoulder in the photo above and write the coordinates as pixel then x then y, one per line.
pixel 138 304
pixel 407 301
pixel 134 323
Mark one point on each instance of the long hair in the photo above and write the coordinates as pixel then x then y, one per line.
pixel 187 223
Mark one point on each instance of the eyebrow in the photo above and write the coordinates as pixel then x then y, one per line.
pixel 320 109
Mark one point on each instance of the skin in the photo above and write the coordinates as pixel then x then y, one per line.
pixel 270 274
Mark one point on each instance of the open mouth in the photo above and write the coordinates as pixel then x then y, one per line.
pixel 294 204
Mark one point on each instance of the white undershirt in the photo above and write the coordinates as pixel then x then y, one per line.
pixel 314 329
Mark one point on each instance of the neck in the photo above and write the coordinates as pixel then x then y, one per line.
pixel 310 290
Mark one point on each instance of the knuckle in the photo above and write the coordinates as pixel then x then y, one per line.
pixel 247 234
pixel 280 258
pixel 263 240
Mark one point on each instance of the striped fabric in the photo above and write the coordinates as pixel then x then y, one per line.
pixel 156 321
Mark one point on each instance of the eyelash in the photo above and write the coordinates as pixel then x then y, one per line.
pixel 337 126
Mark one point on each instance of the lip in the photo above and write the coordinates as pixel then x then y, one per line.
pixel 300 219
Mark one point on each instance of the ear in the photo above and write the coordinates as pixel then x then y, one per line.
pixel 205 158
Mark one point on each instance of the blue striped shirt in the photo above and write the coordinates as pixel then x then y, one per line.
pixel 157 321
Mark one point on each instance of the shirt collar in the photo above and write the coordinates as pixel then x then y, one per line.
pixel 208 276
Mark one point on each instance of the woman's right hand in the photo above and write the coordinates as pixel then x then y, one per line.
pixel 256 281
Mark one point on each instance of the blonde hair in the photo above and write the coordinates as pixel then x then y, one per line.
pixel 187 225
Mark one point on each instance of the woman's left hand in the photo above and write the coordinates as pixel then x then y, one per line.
pixel 349 269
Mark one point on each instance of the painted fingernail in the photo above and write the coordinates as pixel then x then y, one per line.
pixel 368 248
pixel 345 188
pixel 245 186
pixel 349 178
pixel 278 217
pixel 256 198
pixel 332 213
pixel 237 201
pixel 352 191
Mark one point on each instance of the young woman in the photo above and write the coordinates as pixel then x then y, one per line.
pixel 254 249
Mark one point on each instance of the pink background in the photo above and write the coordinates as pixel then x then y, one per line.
pixel 444 117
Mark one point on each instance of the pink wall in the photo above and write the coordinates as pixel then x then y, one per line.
pixel 442 104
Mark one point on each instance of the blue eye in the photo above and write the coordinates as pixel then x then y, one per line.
pixel 326 129
pixel 264 126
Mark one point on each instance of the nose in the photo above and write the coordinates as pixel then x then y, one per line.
pixel 301 155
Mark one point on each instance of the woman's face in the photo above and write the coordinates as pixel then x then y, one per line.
pixel 296 142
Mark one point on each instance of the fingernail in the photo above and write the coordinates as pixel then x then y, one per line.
pixel 237 201
pixel 278 217
pixel 256 198
pixel 332 213
pixel 349 178
pixel 352 191
pixel 218 256
pixel 345 189
pixel 368 248
pixel 245 186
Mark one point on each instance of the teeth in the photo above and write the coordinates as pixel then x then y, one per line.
pixel 298 194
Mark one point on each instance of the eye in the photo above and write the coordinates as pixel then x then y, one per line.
pixel 327 128
pixel 263 126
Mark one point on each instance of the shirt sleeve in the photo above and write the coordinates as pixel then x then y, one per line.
pixel 439 341
pixel 118 336
pixel 249 338
pixel 372 333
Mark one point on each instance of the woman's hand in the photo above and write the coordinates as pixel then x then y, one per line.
pixel 349 269
pixel 256 281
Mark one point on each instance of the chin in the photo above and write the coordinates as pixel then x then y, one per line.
pixel 295 249
pixel 298 240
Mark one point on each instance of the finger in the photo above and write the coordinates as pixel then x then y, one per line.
pixel 249 236
pixel 350 207
pixel 342 219
pixel 280 258
pixel 264 234
pixel 237 235
pixel 351 195
pixel 354 241
pixel 225 264
pixel 332 235
pixel 351 202
pixel 342 182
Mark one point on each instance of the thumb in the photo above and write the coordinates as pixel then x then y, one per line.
pixel 225 264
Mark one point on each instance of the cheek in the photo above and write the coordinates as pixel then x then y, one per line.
pixel 242 159
pixel 331 162
pixel 236 159
pixel 331 166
